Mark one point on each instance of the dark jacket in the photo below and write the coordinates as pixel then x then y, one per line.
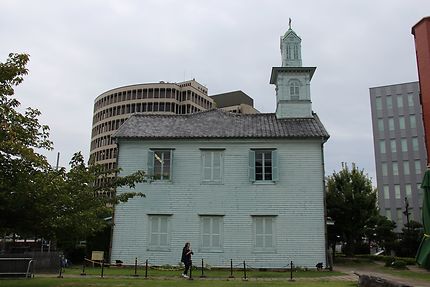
pixel 186 255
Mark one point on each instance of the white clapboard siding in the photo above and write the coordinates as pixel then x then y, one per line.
pixel 297 201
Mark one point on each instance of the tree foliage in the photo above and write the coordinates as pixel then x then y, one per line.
pixel 35 199
pixel 351 203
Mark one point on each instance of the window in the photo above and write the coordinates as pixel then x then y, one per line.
pixel 395 168
pixel 400 101
pixel 393 146
pixel 397 191
pixel 381 125
pixel 382 146
pixel 402 122
pixel 417 167
pixel 384 169
pixel 390 124
pixel 413 122
pixel 160 164
pixel 408 191
pixel 410 100
pixel 406 170
pixel 388 213
pixel 415 144
pixel 295 90
pixel 263 165
pixel 399 219
pixel 212 167
pixel 386 192
pixel 211 233
pixel 378 103
pixel 159 238
pixel 264 237
pixel 389 102
pixel 404 144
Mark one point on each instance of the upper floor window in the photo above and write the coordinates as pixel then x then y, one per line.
pixel 410 100
pixel 413 121
pixel 382 146
pixel 295 90
pixel 263 165
pixel 381 125
pixel 391 124
pixel 159 232
pixel 402 122
pixel 212 166
pixel 378 103
pixel 400 101
pixel 264 233
pixel 386 192
pixel 160 164
pixel 389 101
pixel 404 144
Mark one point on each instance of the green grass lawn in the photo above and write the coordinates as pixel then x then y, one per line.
pixel 98 282
pixel 213 273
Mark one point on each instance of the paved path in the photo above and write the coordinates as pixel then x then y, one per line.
pixel 366 271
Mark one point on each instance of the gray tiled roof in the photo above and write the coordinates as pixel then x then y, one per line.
pixel 216 123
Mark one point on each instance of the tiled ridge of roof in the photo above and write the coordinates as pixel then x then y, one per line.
pixel 216 123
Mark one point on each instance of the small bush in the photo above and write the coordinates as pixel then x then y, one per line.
pixel 399 264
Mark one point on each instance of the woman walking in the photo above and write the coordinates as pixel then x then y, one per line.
pixel 186 258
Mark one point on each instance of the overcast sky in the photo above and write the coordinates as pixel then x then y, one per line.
pixel 80 49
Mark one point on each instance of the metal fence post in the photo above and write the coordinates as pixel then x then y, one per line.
pixel 191 270
pixel 83 268
pixel 244 269
pixel 231 269
pixel 103 265
pixel 146 269
pixel 135 267
pixel 203 275
pixel 291 271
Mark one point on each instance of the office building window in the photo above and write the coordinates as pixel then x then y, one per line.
pixel 393 146
pixel 211 233
pixel 406 170
pixel 397 191
pixel 413 122
pixel 410 100
pixel 404 144
pixel 415 144
pixel 408 191
pixel 386 192
pixel 417 167
pixel 402 122
pixel 159 238
pixel 388 213
pixel 378 103
pixel 399 219
pixel 381 125
pixel 400 101
pixel 384 169
pixel 295 90
pixel 389 100
pixel 395 168
pixel 382 146
pixel 390 124
pixel 264 233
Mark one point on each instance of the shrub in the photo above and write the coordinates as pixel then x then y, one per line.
pixel 399 264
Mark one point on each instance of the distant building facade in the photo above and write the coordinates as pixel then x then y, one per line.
pixel 400 153
pixel 115 106
pixel 236 102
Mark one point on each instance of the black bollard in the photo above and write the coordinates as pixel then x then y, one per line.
pixel 146 269
pixel 244 270
pixel 203 275
pixel 135 268
pixel 291 271
pixel 103 265
pixel 83 268
pixel 231 269
pixel 191 271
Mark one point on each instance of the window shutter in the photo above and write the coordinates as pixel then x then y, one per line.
pixel 275 172
pixel 251 166
pixel 171 165
pixel 150 167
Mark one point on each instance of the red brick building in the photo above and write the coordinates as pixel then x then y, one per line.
pixel 421 32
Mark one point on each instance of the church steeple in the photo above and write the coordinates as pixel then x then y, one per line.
pixel 293 95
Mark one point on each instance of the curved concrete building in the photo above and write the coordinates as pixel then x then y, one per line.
pixel 113 107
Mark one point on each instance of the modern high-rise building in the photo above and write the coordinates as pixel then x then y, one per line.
pixel 113 107
pixel 421 32
pixel 400 153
